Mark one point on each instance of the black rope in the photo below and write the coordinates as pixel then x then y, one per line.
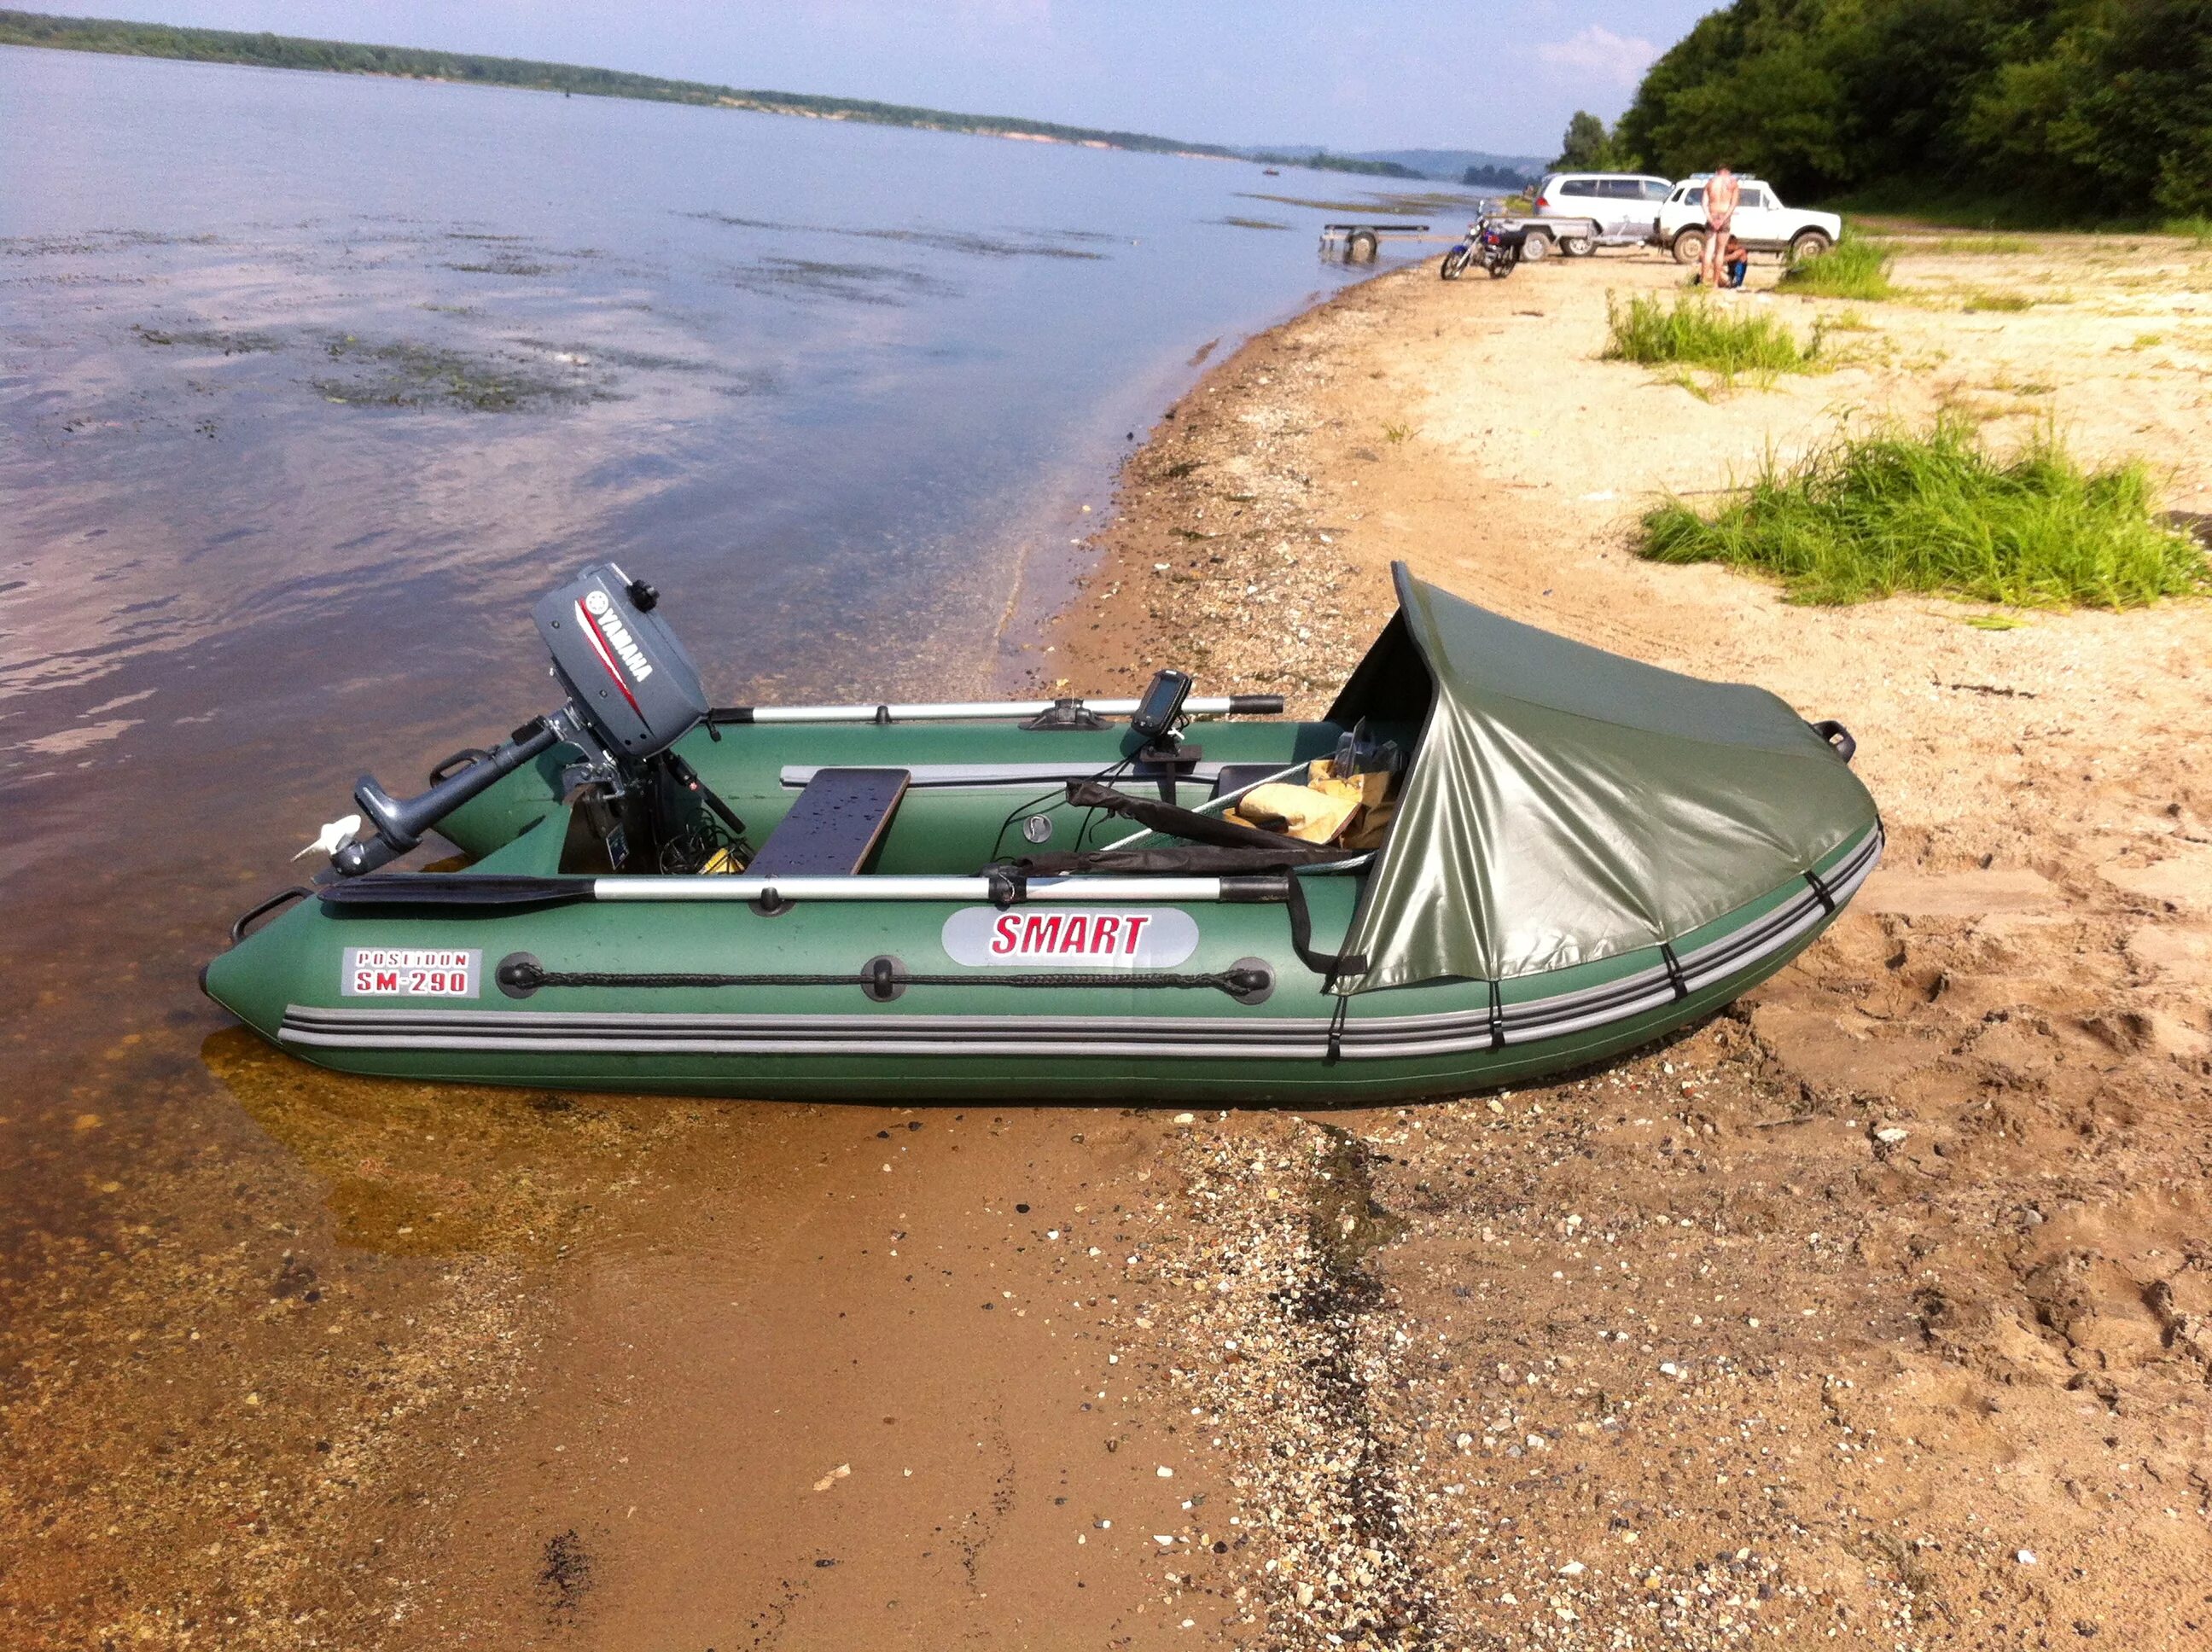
pixel 1674 970
pixel 1820 888
pixel 1496 1017
pixel 525 976
pixel 1336 1020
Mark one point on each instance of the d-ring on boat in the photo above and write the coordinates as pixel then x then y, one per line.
pixel 1500 854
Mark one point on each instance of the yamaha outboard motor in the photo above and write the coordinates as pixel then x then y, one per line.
pixel 632 693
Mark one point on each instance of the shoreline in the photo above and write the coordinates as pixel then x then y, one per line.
pixel 1115 629
pixel 1866 1307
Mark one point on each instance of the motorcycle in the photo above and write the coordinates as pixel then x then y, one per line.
pixel 1491 241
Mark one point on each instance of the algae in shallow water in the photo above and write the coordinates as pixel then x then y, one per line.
pixel 214 338
pixel 1006 244
pixel 504 265
pixel 404 373
pixel 854 284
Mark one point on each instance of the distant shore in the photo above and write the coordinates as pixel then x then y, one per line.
pixel 117 37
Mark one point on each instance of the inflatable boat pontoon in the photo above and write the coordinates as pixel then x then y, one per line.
pixel 1559 854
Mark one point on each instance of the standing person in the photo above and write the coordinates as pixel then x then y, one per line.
pixel 1722 193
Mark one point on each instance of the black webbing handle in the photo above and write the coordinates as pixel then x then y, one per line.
pixel 1328 965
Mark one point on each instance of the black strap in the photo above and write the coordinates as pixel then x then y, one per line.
pixel 1496 1017
pixel 1336 1020
pixel 1820 888
pixel 1674 970
pixel 1182 860
pixel 1328 965
pixel 1008 885
pixel 1189 823
pixel 522 976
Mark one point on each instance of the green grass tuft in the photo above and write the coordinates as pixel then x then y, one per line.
pixel 1868 516
pixel 1854 267
pixel 1698 332
pixel 2009 303
pixel 2197 228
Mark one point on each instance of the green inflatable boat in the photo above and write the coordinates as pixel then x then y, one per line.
pixel 1501 854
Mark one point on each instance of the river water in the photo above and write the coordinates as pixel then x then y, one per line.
pixel 308 386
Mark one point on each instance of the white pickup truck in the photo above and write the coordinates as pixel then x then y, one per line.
pixel 1762 223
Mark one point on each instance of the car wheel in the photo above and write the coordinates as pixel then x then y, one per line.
pixel 1810 244
pixel 1360 249
pixel 1689 247
pixel 1537 247
pixel 1577 246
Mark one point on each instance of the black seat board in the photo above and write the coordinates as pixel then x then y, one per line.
pixel 833 826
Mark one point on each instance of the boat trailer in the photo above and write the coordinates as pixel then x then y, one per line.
pixel 1359 243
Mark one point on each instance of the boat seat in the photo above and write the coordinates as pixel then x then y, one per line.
pixel 1235 777
pixel 833 826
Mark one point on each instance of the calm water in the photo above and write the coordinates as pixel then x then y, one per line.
pixel 308 385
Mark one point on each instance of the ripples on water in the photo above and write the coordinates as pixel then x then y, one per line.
pixel 308 386
pixel 312 383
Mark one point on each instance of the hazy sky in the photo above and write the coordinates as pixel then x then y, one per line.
pixel 1351 74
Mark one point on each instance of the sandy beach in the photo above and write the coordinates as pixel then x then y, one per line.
pixel 1874 1312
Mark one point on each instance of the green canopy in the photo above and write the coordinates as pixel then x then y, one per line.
pixel 1566 804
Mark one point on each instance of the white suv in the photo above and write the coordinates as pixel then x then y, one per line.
pixel 1762 223
pixel 1622 204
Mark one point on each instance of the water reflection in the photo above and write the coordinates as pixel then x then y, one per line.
pixel 450 1169
pixel 310 385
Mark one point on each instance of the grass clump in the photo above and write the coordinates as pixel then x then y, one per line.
pixel 1697 332
pixel 1979 245
pixel 1870 515
pixel 1854 267
pixel 2007 303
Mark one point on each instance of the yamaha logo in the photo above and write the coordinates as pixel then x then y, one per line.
pixel 604 628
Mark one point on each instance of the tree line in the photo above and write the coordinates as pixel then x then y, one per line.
pixel 342 57
pixel 2078 111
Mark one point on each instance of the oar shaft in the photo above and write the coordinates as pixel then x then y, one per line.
pixel 978 711
pixel 1089 890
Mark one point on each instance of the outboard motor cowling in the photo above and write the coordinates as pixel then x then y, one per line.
pixel 632 693
pixel 627 676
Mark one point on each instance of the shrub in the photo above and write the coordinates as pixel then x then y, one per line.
pixel 1695 330
pixel 1870 515
pixel 1854 267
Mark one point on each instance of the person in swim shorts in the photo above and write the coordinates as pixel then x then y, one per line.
pixel 1722 193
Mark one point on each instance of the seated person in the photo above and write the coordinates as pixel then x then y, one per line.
pixel 1735 262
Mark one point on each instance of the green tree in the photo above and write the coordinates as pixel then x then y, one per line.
pixel 1587 147
pixel 2082 109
